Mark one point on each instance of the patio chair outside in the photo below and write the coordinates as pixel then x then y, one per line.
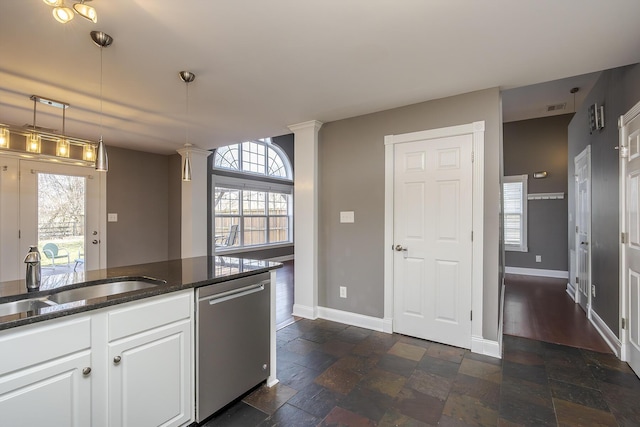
pixel 52 252
pixel 229 239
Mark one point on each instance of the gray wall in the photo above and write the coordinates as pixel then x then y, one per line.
pixel 618 90
pixel 175 206
pixel 540 145
pixel 351 177
pixel 137 190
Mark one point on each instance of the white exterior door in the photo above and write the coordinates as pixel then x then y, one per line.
pixel 92 251
pixel 433 239
pixel 630 222
pixel 583 228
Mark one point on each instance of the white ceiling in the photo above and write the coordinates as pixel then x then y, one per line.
pixel 262 65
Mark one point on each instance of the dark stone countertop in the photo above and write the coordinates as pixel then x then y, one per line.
pixel 178 274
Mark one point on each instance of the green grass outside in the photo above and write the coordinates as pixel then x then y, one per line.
pixel 73 245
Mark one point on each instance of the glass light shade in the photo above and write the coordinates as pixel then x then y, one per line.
pixel 102 161
pixel 4 137
pixel 34 141
pixel 62 148
pixel 186 169
pixel 63 14
pixel 53 2
pixel 89 153
pixel 86 11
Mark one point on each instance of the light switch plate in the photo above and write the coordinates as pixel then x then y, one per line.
pixel 347 217
pixel 112 217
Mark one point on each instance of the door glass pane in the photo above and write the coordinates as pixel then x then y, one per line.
pixel 61 222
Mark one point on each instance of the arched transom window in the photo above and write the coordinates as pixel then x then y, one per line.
pixel 254 157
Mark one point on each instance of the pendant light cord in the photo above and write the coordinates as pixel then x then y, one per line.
pixel 186 118
pixel 101 113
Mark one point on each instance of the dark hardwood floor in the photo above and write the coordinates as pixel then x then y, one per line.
pixel 539 308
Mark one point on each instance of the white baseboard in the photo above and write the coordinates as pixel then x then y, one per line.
pixel 501 319
pixel 305 311
pixel 387 325
pixel 487 347
pixel 571 291
pixel 538 272
pixel 607 334
pixel 353 319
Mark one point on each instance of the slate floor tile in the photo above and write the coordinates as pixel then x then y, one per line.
pixel 316 400
pixel 366 402
pixel 393 418
pixel 470 411
pixel 353 334
pixel 407 351
pixel 481 370
pixel 358 364
pixel 295 376
pixel 301 346
pixel 288 416
pixel 336 347
pixel 524 358
pixel 623 404
pixel 439 367
pixel 269 399
pixel 525 413
pixel 340 417
pixel 397 365
pixel 576 394
pixel 419 406
pixel 384 382
pixel 431 384
pixel 414 341
pixel 525 391
pixel 338 380
pixel 486 391
pixel 239 414
pixel 446 352
pixel 617 377
pixel 531 373
pixel 573 414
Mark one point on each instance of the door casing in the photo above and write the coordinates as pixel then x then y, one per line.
pixel 477 129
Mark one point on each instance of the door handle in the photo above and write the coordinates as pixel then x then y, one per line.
pixel 584 243
pixel 95 242
pixel 399 248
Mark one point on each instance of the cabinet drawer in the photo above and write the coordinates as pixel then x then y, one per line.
pixel 142 316
pixel 43 341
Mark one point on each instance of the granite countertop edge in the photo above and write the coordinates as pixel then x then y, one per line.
pixel 113 300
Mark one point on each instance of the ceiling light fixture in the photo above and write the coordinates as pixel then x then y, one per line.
pixel 102 40
pixel 86 11
pixel 187 77
pixel 62 144
pixel 34 140
pixel 63 13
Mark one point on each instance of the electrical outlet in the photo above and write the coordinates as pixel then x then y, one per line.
pixel 343 291
pixel 538 258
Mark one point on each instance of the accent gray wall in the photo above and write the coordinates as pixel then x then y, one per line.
pixel 351 178
pixel 137 190
pixel 175 206
pixel 618 90
pixel 540 145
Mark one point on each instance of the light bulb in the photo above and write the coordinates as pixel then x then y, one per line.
pixel 4 138
pixel 63 14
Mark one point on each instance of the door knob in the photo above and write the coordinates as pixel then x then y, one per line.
pixel 116 360
pixel 584 243
pixel 399 248
pixel 95 242
pixel 86 371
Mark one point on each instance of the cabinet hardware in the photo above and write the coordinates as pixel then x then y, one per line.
pixel 86 371
pixel 117 359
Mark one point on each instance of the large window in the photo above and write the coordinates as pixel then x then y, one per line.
pixel 514 192
pixel 252 205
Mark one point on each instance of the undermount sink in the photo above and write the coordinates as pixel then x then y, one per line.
pixel 22 306
pixel 101 290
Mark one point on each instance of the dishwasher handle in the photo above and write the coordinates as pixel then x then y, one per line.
pixel 235 293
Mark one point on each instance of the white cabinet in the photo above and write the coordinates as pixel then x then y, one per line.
pixel 127 365
pixel 150 377
pixel 45 374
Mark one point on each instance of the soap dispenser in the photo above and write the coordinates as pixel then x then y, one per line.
pixel 33 269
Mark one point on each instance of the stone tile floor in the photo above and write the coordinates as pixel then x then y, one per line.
pixel 337 375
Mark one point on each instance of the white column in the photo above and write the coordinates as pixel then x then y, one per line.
pixel 305 216
pixel 194 204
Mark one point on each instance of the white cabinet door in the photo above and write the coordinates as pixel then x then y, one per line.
pixel 150 377
pixel 54 393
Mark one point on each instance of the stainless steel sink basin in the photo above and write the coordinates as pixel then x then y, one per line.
pixel 101 290
pixel 22 306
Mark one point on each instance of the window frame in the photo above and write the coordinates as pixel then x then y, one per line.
pixel 523 180
pixel 268 145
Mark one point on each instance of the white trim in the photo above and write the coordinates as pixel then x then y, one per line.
pixel 477 130
pixel 273 345
pixel 537 272
pixel 586 153
pixel 487 347
pixel 281 258
pixel 305 311
pixel 501 318
pixel 524 180
pixel 571 290
pixel 353 319
pixel 607 334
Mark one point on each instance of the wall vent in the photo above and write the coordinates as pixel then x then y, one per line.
pixel 556 107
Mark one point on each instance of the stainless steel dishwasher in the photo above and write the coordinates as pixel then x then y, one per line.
pixel 232 330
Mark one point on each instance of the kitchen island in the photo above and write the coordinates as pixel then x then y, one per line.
pixel 122 359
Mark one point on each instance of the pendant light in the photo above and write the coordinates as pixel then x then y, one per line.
pixel 187 77
pixel 62 145
pixel 86 11
pixel 102 40
pixel 34 140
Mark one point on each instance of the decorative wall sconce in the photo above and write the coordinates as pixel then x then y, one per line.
pixel 540 175
pixel 596 117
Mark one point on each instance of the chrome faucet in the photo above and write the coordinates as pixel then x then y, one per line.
pixel 33 269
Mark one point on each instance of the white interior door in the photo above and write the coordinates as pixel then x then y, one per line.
pixel 631 246
pixel 583 228
pixel 433 201
pixel 87 227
